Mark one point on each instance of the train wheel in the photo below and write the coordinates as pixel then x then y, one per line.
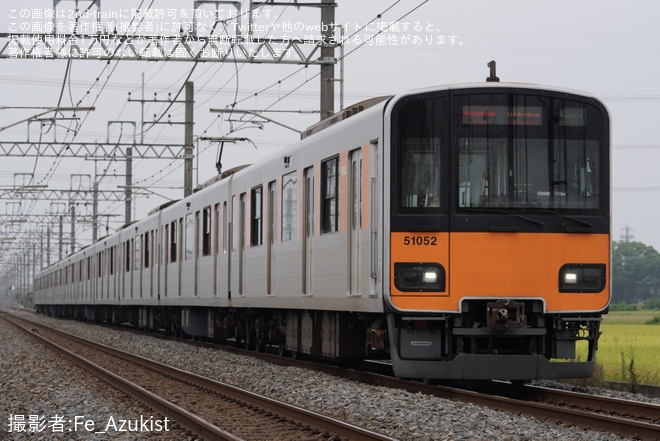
pixel 260 345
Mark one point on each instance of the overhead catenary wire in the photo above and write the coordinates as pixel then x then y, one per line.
pixel 57 161
pixel 172 167
pixel 103 80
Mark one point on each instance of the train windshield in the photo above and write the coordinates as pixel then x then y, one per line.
pixel 419 133
pixel 529 151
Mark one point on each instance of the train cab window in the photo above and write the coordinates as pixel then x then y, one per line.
pixel 419 129
pixel 256 216
pixel 528 152
pixel 329 195
pixel 289 205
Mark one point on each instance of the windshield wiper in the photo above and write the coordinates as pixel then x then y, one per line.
pixel 509 213
pixel 568 216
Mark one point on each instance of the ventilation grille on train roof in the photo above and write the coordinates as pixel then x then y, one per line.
pixel 340 116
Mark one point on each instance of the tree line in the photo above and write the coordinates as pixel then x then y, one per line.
pixel 635 275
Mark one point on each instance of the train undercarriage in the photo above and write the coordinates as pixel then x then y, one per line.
pixel 494 339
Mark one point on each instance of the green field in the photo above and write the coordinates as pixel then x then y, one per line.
pixel 625 338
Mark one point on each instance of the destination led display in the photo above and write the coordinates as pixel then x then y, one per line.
pixel 520 115
pixel 503 115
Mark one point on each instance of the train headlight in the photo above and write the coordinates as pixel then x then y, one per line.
pixel 419 277
pixel 582 278
pixel 430 277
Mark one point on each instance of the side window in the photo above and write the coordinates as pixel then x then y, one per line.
pixel 173 241
pixel 137 246
pixel 329 195
pixel 112 262
pixel 256 216
pixel 147 250
pixel 189 236
pixel 289 204
pixel 216 229
pixel 127 255
pixel 232 224
pixel 180 230
pixel 206 231
pixel 225 228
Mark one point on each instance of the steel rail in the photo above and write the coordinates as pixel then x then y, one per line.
pixel 186 419
pixel 303 416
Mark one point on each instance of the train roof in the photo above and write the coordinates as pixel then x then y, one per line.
pixel 499 84
pixel 371 102
pixel 343 114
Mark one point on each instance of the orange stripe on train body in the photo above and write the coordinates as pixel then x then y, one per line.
pixel 500 265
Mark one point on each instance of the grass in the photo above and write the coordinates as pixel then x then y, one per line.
pixel 629 347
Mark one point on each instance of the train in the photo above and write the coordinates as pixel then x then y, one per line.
pixel 461 232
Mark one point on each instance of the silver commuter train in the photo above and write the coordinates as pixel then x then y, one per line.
pixel 369 238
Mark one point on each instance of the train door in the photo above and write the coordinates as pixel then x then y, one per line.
pixel 216 246
pixel 372 166
pixel 179 257
pixel 241 245
pixel 355 219
pixel 153 239
pixel 308 228
pixel 137 278
pixel 131 271
pixel 166 257
pixel 101 273
pixel 270 232
pixel 197 252
pixel 230 242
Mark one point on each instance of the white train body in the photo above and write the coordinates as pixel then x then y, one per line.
pixel 295 251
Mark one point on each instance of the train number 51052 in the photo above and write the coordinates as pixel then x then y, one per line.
pixel 420 240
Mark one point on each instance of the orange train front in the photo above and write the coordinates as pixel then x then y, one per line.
pixel 499 246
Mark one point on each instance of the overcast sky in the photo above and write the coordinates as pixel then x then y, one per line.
pixel 607 48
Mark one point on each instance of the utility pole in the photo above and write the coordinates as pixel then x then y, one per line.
pixel 188 141
pixel 48 246
pixel 61 242
pixel 95 209
pixel 188 123
pixel 128 191
pixel 230 46
pixel 129 184
pixel 73 228
pixel 327 59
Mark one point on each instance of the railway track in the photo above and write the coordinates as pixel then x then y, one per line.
pixel 628 418
pixel 212 410
pixel 634 419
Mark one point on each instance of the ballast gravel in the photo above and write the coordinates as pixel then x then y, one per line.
pixel 37 387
